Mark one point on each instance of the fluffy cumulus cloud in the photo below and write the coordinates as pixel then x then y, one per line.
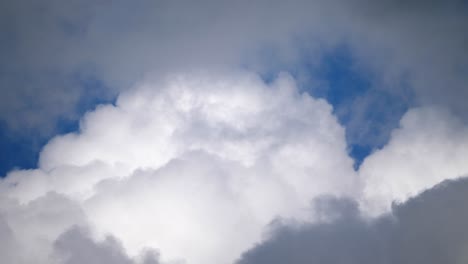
pixel 203 158
pixel 195 169
pixel 431 145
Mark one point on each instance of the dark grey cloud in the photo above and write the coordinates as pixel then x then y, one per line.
pixel 8 243
pixel 76 246
pixel 429 228
pixel 38 81
pixel 423 41
pixel 417 54
pixel 47 44
pixel 27 229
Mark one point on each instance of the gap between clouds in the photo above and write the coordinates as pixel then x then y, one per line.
pixel 198 168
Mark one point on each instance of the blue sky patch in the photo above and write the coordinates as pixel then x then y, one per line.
pixel 368 111
pixel 21 150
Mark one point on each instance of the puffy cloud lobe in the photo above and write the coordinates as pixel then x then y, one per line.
pixel 431 145
pixel 28 230
pixel 76 246
pixel 429 228
pixel 196 167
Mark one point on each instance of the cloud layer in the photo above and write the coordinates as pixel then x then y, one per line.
pixel 52 50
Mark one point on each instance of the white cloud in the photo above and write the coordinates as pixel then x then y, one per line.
pixel 194 168
pixel 198 166
pixel 431 145
pixel 28 230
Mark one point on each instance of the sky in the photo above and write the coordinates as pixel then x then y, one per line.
pixel 233 132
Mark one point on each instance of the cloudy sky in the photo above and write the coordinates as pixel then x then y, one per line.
pixel 234 132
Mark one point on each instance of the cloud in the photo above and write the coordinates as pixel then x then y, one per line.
pixel 429 228
pixel 194 168
pixel 7 242
pixel 77 246
pixel 197 167
pixel 51 47
pixel 425 43
pixel 431 145
pixel 194 159
pixel 28 230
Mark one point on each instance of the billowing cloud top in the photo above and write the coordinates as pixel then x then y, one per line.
pixel 212 153
pixel 198 167
pixel 195 168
